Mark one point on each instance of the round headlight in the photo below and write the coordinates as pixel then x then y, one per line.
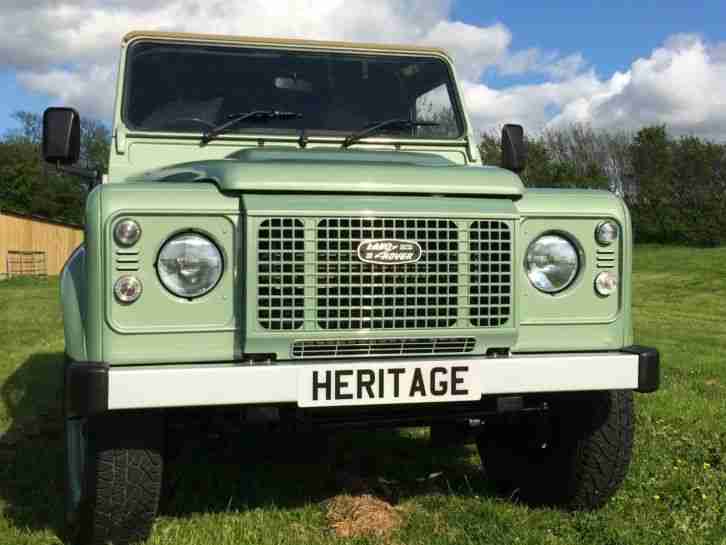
pixel 189 265
pixel 606 233
pixel 606 283
pixel 552 263
pixel 126 233
pixel 127 289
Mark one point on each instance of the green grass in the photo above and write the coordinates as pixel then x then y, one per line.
pixel 271 489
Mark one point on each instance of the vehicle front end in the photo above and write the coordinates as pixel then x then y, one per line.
pixel 270 255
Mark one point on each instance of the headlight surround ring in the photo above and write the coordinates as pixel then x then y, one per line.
pixel 552 262
pixel 189 264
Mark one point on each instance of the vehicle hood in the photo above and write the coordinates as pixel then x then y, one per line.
pixel 341 171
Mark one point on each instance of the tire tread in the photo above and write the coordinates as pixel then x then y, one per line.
pixel 123 480
pixel 585 465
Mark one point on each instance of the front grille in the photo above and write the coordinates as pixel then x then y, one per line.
pixel 340 348
pixel 310 277
pixel 356 295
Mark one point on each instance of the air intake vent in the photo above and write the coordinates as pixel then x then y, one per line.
pixel 605 259
pixel 127 260
pixel 361 348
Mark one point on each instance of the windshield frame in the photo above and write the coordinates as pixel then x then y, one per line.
pixel 287 134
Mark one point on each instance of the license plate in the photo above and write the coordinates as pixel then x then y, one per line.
pixel 386 384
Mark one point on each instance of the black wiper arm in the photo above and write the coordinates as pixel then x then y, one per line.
pixel 396 123
pixel 257 115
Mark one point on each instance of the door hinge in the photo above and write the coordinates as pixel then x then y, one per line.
pixel 120 138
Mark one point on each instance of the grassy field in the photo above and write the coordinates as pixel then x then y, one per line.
pixel 276 489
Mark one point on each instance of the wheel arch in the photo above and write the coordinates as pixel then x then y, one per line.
pixel 74 293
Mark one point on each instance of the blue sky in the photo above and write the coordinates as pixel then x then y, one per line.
pixel 609 34
pixel 611 64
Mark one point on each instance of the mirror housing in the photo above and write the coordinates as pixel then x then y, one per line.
pixel 61 136
pixel 514 150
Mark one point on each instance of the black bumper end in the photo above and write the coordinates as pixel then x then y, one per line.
pixel 86 388
pixel 648 367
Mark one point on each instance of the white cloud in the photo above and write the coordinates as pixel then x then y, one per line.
pixel 681 84
pixel 531 105
pixel 474 48
pixel 90 90
pixel 68 50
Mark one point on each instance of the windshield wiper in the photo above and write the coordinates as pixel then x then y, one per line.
pixel 256 115
pixel 373 128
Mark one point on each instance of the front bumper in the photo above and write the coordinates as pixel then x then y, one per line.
pixel 93 387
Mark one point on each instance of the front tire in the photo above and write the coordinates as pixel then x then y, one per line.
pixel 117 479
pixel 575 456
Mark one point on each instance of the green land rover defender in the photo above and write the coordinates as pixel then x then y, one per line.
pixel 307 227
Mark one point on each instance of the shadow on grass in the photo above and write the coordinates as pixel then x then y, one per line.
pixel 285 469
pixel 31 451
pixel 218 472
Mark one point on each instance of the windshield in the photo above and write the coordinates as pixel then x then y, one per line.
pixel 191 88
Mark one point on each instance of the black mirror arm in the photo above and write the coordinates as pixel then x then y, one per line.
pixel 86 173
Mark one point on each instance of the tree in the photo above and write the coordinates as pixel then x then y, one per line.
pixel 652 160
pixel 551 161
pixel 95 144
pixel 26 185
pixel 30 130
pixel 699 196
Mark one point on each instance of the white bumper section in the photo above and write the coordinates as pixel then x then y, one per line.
pixel 137 387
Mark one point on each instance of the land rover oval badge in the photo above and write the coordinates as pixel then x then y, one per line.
pixel 389 252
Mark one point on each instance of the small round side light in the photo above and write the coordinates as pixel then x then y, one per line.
pixel 606 233
pixel 606 283
pixel 127 289
pixel 126 233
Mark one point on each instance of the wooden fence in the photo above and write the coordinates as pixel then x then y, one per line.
pixel 19 233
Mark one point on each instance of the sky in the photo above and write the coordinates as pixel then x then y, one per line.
pixel 611 64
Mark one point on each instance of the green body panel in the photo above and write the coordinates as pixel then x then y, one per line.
pixel 159 327
pixel 576 319
pixel 342 172
pixel 74 296
pixel 170 183
pixel 159 310
pixel 222 326
pixel 139 155
pixel 95 277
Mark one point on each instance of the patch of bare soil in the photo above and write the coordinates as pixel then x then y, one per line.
pixel 365 515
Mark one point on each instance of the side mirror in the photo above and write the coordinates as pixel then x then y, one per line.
pixel 61 136
pixel 514 150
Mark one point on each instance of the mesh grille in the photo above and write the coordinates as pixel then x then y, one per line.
pixel 337 348
pixel 281 273
pixel 310 277
pixel 491 275
pixel 356 295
